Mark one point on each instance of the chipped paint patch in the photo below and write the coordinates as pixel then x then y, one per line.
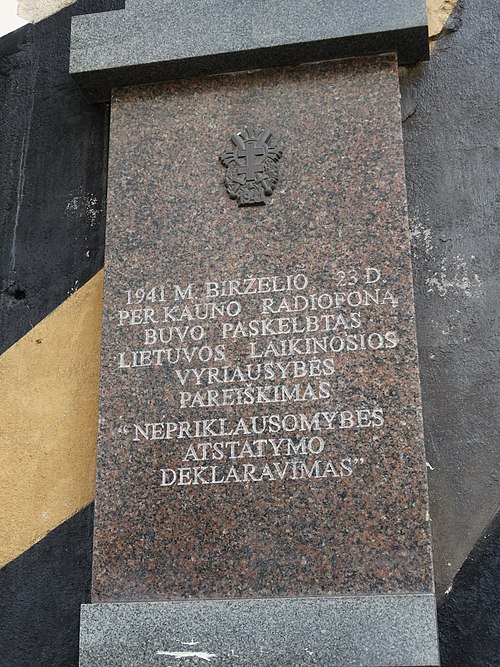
pixel 454 275
pixel 88 204
pixel 438 13
pixel 421 238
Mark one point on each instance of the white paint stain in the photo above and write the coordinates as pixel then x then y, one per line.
pixel 455 276
pixel 421 237
pixel 191 643
pixel 429 465
pixel 178 655
pixel 448 590
pixel 89 204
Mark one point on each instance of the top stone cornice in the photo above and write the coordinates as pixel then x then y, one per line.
pixel 157 40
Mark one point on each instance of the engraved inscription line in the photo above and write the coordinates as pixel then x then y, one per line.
pixel 291 352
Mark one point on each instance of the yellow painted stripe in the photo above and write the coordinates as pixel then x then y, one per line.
pixel 48 426
pixel 438 12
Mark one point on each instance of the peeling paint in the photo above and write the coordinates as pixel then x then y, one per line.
pixel 88 204
pixel 456 276
pixel 421 238
pixel 438 13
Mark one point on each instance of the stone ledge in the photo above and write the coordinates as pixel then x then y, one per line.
pixel 290 632
pixel 145 43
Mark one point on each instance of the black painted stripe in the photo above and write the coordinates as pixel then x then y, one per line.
pixel 41 594
pixel 469 616
pixel 53 161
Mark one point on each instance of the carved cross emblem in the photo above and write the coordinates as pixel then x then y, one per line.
pixel 252 172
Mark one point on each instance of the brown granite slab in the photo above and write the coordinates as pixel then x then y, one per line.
pixel 343 511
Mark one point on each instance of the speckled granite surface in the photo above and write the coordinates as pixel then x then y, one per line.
pixel 157 40
pixel 343 511
pixel 313 632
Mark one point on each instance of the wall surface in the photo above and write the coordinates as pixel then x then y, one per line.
pixel 452 166
pixel 36 10
pixel 53 154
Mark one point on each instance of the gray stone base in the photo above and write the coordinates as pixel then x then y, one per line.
pixel 378 630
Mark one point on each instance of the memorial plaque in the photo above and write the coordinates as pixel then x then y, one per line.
pixel 260 424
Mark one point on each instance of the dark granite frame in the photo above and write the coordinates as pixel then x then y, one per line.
pixel 105 56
